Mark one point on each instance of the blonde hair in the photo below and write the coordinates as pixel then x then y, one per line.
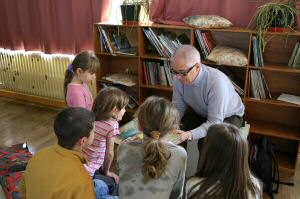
pixel 86 60
pixel 108 99
pixel 188 54
pixel 159 116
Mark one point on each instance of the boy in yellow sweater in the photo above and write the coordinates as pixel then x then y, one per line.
pixel 58 171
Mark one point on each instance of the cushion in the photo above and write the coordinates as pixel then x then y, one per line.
pixel 224 55
pixel 207 21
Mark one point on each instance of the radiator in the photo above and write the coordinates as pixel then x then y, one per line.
pixel 35 73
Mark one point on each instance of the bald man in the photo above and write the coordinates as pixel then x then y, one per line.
pixel 207 92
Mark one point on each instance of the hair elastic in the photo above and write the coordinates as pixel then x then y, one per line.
pixel 70 68
pixel 155 135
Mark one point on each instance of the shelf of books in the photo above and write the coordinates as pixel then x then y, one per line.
pixel 137 58
pixel 273 102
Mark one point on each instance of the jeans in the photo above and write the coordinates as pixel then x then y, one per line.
pixel 102 191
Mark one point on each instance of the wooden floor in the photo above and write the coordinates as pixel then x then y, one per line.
pixel 25 122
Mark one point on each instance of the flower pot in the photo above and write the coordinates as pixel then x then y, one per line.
pixel 278 24
pixel 130 13
pixel 279 29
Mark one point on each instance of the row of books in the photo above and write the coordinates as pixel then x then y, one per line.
pixel 259 87
pixel 157 74
pixel 114 41
pixel 257 53
pixel 294 61
pixel 205 42
pixel 164 45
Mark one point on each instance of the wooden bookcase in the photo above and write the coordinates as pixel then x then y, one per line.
pixel 278 120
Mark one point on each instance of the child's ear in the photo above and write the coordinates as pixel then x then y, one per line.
pixel 78 71
pixel 114 111
pixel 83 141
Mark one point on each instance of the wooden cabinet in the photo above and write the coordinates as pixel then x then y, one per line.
pixel 278 120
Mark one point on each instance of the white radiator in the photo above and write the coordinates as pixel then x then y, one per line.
pixel 35 73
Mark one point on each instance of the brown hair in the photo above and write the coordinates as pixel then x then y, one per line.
pixel 223 165
pixel 156 115
pixel 108 99
pixel 86 60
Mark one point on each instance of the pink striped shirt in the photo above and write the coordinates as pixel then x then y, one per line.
pixel 79 95
pixel 95 153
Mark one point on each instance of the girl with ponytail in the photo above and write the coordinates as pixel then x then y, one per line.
pixel 152 168
pixel 77 76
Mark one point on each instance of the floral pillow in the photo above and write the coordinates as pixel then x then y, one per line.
pixel 207 21
pixel 224 55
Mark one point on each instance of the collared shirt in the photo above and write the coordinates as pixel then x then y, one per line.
pixel 56 172
pixel 95 153
pixel 210 95
pixel 79 95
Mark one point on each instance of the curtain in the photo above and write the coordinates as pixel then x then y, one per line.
pixel 239 12
pixel 51 26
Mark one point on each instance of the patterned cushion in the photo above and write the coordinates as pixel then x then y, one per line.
pixel 224 55
pixel 207 21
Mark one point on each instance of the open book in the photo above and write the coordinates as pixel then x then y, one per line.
pixel 130 132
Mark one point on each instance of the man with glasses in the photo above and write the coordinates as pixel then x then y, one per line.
pixel 203 95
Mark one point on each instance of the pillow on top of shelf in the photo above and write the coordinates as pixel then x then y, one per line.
pixel 207 21
pixel 224 55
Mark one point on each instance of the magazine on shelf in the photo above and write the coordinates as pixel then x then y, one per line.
pixel 289 98
pixel 122 78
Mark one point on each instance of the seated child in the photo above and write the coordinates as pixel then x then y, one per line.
pixel 152 168
pixel 109 108
pixel 223 170
pixel 77 76
pixel 58 171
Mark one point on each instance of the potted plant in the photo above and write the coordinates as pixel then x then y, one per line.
pixel 131 9
pixel 274 16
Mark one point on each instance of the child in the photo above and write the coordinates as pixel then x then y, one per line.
pixel 223 170
pixel 152 168
pixel 109 108
pixel 77 76
pixel 58 171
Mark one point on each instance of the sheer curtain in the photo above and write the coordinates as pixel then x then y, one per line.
pixel 51 26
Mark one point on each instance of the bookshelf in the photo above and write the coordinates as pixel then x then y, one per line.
pixel 278 120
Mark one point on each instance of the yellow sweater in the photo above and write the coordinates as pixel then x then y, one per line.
pixel 57 173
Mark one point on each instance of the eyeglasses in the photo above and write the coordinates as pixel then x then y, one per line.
pixel 183 72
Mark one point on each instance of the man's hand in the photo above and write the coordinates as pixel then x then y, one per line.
pixel 183 135
pixel 113 175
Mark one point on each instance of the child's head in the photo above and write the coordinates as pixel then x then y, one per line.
pixel 110 103
pixel 157 114
pixel 156 117
pixel 84 67
pixel 74 126
pixel 224 159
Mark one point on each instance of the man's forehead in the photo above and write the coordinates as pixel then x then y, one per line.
pixel 179 63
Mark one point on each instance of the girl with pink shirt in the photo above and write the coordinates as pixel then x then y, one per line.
pixel 77 76
pixel 109 108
